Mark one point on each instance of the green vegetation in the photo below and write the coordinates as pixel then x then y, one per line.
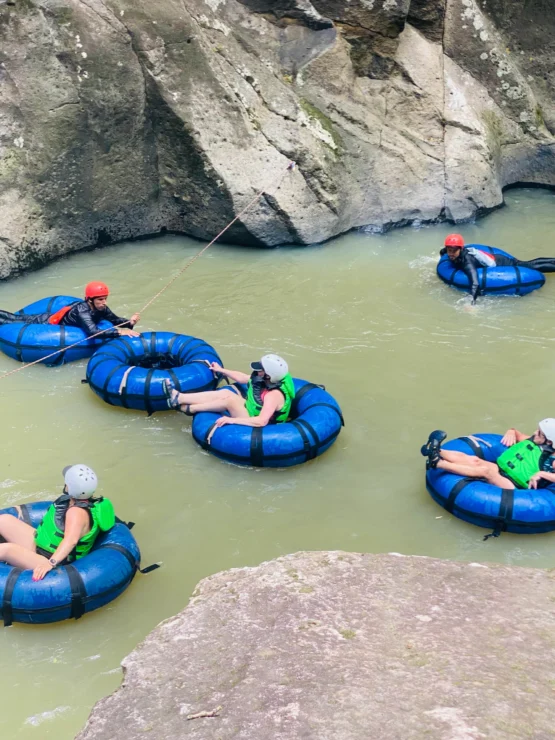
pixel 316 114
pixel 494 127
pixel 62 15
pixel 347 634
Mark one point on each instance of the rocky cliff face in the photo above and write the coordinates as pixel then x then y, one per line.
pixel 342 646
pixel 120 118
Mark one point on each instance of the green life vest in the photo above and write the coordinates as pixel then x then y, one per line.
pixel 50 531
pixel 254 396
pixel 521 461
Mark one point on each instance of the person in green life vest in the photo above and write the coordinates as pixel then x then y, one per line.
pixel 67 532
pixel 525 463
pixel 268 398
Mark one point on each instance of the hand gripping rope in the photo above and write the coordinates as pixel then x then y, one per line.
pixel 290 167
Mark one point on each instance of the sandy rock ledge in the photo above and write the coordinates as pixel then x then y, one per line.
pixel 345 646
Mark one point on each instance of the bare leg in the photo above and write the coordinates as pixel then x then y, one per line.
pixel 235 405
pixel 14 530
pixel 20 556
pixel 453 456
pixel 219 401
pixel 202 397
pixel 476 468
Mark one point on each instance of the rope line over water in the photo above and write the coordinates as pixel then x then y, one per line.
pixel 290 166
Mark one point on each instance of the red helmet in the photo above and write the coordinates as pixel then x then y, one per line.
pixel 454 240
pixel 96 290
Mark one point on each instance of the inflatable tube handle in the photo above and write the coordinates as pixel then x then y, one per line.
pixel 59 361
pixel 494 533
pixel 305 389
pixel 505 512
pixel 78 592
pixel 474 446
pixel 132 562
pixel 150 568
pixel 7 614
pixel 217 374
pixel 123 384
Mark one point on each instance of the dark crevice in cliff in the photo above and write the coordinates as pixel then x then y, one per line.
pixel 526 184
pixel 283 12
pixel 148 124
pixel 462 127
pixel 63 105
pixel 272 201
pixel 443 126
pixel 428 17
pixel 109 18
pixel 368 31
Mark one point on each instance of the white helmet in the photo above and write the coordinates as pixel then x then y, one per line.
pixel 80 480
pixel 547 426
pixel 273 365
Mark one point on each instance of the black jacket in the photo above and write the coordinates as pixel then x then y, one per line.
pixel 87 319
pixel 468 264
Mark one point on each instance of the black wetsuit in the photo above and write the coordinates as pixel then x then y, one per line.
pixel 81 315
pixel 469 265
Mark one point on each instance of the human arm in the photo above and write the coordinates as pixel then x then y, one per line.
pixel 81 316
pixel 124 326
pixel 512 436
pixel 76 522
pixel 542 475
pixel 468 266
pixel 235 375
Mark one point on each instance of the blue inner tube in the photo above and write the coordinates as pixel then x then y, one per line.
pixel 31 342
pixel 72 590
pixel 521 511
pixel 316 421
pixel 129 371
pixel 493 280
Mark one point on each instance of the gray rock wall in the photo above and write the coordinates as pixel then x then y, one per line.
pixel 342 646
pixel 121 118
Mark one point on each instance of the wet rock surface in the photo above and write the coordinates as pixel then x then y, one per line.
pixel 346 646
pixel 123 118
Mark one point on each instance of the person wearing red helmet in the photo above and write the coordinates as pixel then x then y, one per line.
pixel 469 259
pixel 466 259
pixel 85 315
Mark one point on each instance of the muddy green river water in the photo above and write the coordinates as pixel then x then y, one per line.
pixel 366 316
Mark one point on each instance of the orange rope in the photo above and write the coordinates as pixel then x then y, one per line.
pixel 290 166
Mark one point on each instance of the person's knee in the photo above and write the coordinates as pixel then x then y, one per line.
pixel 486 469
pixel 227 397
pixel 6 549
pixel 5 519
pixel 235 401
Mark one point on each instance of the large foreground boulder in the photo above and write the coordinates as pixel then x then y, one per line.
pixel 342 646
